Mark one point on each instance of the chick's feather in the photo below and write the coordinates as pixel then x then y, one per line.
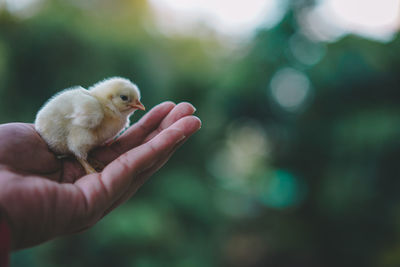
pixel 87 112
pixel 68 114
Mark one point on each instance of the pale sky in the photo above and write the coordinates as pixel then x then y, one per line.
pixel 330 19
pixel 375 19
pixel 231 17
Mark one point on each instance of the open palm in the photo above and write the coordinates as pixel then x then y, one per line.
pixel 44 197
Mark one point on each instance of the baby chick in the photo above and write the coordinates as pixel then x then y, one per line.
pixel 77 120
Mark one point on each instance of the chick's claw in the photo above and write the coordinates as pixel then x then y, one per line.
pixel 109 142
pixel 97 165
pixel 88 168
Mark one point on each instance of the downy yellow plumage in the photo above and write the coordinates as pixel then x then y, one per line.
pixel 77 120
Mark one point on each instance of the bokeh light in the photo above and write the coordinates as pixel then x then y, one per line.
pixel 290 89
pixel 306 51
pixel 331 19
pixel 233 18
pixel 23 8
pixel 237 160
pixel 282 189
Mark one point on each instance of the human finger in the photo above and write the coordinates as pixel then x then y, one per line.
pixel 181 110
pixel 103 189
pixel 135 134
pixel 191 124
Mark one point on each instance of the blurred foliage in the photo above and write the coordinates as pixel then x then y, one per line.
pixel 279 175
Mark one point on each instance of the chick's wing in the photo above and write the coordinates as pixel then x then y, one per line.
pixel 87 112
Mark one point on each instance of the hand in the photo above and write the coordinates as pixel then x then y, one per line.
pixel 44 197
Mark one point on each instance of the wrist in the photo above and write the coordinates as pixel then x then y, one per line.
pixel 5 240
pixel 4 215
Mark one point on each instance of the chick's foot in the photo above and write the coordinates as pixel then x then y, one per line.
pixel 88 168
pixel 97 165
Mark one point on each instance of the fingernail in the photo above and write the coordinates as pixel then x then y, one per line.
pixel 180 139
pixel 200 123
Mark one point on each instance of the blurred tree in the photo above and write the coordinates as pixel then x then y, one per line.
pixel 264 183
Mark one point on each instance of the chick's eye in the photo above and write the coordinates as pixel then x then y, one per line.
pixel 123 97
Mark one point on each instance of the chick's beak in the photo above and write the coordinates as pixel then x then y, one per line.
pixel 138 105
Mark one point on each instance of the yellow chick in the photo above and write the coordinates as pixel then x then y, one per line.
pixel 77 120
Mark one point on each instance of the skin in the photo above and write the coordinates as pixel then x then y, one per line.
pixel 44 197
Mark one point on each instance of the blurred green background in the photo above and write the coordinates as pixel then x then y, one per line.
pixel 297 160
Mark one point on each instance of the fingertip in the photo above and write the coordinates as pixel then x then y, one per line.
pixel 186 107
pixel 194 125
pixel 195 122
pixel 198 122
pixel 189 125
pixel 166 105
